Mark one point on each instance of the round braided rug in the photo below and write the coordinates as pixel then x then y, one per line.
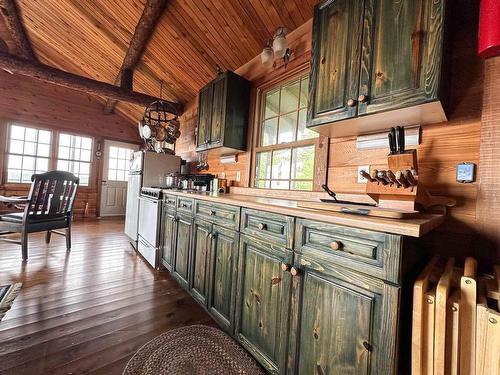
pixel 192 350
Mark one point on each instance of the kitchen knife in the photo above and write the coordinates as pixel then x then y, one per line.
pixel 392 141
pixel 392 177
pixel 400 135
pixel 401 179
pixel 410 178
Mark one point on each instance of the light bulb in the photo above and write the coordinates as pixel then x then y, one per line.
pixel 279 46
pixel 267 56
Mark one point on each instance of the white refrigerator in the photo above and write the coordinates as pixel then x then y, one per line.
pixel 147 169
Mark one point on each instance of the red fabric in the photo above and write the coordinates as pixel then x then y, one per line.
pixel 489 29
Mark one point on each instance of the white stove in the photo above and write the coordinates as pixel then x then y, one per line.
pixel 148 244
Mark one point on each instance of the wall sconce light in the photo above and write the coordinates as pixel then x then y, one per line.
pixel 276 48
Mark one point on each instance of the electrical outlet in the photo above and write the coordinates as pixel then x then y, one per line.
pixel 361 179
pixel 222 175
pixel 238 176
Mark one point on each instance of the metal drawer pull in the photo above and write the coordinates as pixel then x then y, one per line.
pixel 184 205
pixel 212 213
pixel 262 226
pixel 367 346
pixel 211 236
pixel 285 267
pixel 294 271
pixel 336 245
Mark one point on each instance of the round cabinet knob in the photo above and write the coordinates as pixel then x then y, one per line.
pixel 285 267
pixel 294 271
pixel 212 213
pixel 336 245
pixel 210 235
pixel 351 103
pixel 262 226
pixel 362 98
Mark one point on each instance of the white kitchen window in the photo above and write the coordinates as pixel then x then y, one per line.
pixel 29 153
pixel 74 155
pixel 285 149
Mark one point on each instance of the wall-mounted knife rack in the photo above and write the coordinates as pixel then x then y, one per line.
pixel 397 196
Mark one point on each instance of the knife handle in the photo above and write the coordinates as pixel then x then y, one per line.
pixel 400 131
pixel 410 178
pixel 392 177
pixel 365 174
pixel 401 179
pixel 374 175
pixel 392 141
pixel 383 174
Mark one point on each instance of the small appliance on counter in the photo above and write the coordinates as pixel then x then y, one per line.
pixel 196 182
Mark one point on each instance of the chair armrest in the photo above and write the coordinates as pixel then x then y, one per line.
pixel 17 200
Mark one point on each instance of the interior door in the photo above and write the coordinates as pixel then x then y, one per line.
pixel 116 164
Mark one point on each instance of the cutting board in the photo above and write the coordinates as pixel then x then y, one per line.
pixel 390 213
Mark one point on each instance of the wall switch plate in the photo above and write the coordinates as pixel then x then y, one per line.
pixel 361 179
pixel 238 176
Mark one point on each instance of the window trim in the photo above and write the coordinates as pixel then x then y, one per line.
pixel 92 152
pixel 320 143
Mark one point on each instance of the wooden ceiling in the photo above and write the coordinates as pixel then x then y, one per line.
pixel 91 38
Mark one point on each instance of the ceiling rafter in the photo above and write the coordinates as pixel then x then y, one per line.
pixel 152 12
pixel 55 76
pixel 10 13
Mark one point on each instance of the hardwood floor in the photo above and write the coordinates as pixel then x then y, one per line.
pixel 87 310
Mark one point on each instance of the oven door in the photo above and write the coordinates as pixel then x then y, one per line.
pixel 149 215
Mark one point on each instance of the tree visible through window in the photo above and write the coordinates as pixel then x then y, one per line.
pixel 284 155
pixel 74 155
pixel 29 152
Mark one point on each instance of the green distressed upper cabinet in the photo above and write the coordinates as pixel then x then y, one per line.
pixel 262 303
pixel 335 71
pixel 389 54
pixel 183 235
pixel 202 231
pixel 343 322
pixel 223 275
pixel 223 114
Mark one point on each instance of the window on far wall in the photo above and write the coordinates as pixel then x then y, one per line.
pixel 29 152
pixel 284 154
pixel 118 165
pixel 74 155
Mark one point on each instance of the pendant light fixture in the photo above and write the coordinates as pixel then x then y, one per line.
pixel 280 44
pixel 267 55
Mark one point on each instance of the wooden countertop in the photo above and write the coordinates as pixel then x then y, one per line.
pixel 415 227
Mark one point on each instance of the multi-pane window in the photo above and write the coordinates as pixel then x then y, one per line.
pixel 284 155
pixel 119 158
pixel 74 155
pixel 29 152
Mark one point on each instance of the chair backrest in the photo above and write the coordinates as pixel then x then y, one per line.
pixel 51 196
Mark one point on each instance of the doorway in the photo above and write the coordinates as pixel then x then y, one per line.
pixel 116 163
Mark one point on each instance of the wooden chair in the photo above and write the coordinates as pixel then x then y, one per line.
pixel 47 207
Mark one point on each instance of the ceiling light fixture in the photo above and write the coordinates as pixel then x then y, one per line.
pixel 276 48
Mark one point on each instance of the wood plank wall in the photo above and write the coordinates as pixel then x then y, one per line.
pixel 443 145
pixel 40 104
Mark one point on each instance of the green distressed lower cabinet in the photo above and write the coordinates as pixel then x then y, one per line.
pixel 202 231
pixel 168 238
pixel 342 322
pixel 183 235
pixel 263 300
pixel 223 275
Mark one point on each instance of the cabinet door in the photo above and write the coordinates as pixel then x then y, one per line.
pixel 202 230
pixel 183 235
pixel 218 111
pixel 204 116
pixel 336 54
pixel 168 239
pixel 263 300
pixel 402 47
pixel 223 266
pixel 342 322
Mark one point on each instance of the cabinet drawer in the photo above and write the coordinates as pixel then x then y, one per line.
pixel 275 228
pixel 185 205
pixel 373 253
pixel 221 214
pixel 169 201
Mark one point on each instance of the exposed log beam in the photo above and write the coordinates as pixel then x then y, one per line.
pixel 143 31
pixel 13 22
pixel 59 77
